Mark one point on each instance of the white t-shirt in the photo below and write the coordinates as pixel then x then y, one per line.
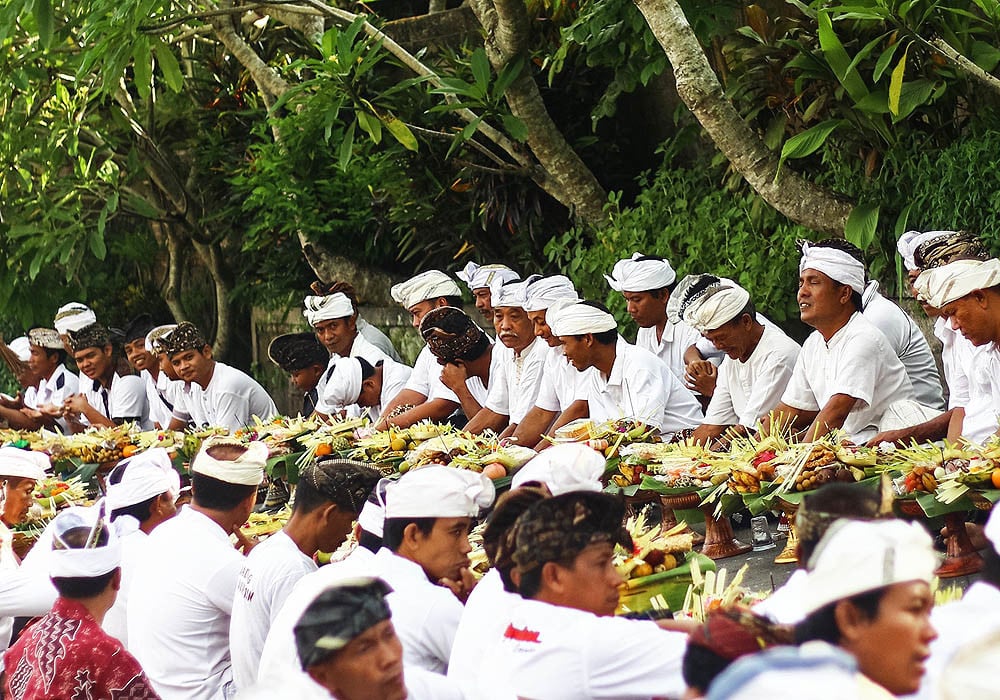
pixel 640 386
pixel 909 344
pixel 179 607
pixel 858 362
pixel 514 384
pixel 426 379
pixel 231 398
pixel 957 356
pixel 53 391
pixel 125 399
pixel 161 409
pixel 670 348
pixel 483 620
pixel 746 391
pixel 557 653
pixel 133 548
pixel 983 408
pixel 362 348
pixel 561 382
pixel 268 575
pixel 279 657
pixel 425 615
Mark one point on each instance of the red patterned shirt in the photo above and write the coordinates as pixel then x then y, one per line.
pixel 67 656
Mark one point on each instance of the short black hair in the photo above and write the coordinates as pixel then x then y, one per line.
pixel 61 352
pixel 214 494
pixel 367 370
pixel 392 531
pixel 370 541
pixel 455 301
pixel 530 583
pixel 700 666
pixel 822 624
pixel 81 587
pixel 344 483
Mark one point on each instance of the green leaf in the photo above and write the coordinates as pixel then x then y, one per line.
pixel 901 220
pixel 861 225
pixel 401 132
pixel 515 127
pixel 984 55
pixel 809 141
pixel 481 70
pixel 43 18
pixel 882 64
pixel 96 239
pixel 914 94
pixel 896 83
pixel 863 53
pixel 142 66
pixel 508 74
pixel 838 58
pixel 347 147
pixel 371 125
pixel 168 66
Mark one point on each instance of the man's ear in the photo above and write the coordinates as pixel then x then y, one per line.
pixel 552 576
pixel 108 350
pixel 850 620
pixel 321 673
pixel 207 352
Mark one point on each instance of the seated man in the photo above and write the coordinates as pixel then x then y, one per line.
pixel 108 398
pixel 759 359
pixel 562 641
pixel 147 365
pixel 55 384
pixel 557 402
pixel 20 412
pixel 216 394
pixel 169 385
pixel 425 397
pixel 967 293
pixel 70 318
pixel 518 364
pixel 464 353
pixel 335 320
pixel 847 375
pixel 369 332
pixel 66 654
pixel 480 279
pixel 627 381
pixel 305 360
pixel 355 385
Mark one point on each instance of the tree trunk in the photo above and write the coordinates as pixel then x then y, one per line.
pixel 569 180
pixel 800 200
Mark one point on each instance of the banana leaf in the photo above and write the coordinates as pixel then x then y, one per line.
pixel 795 497
pixel 759 502
pixel 933 508
pixel 284 467
pixel 672 585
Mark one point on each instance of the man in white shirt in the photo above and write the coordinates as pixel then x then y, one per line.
pixel 846 376
pixel 480 280
pixel 369 332
pixel 305 359
pixel 18 413
pixel 182 596
pixel 967 293
pixel 335 321
pixel 169 386
pixel 759 359
pixel 355 385
pixel 425 396
pixel 646 282
pixel 145 363
pixel 424 557
pixel 71 318
pixel 562 641
pixel 627 381
pixel 216 394
pixel 141 494
pixel 328 498
pixel 108 398
pixel 44 403
pixel 464 353
pixel 518 364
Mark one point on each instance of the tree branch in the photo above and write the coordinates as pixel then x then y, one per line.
pixel 965 65
pixel 263 74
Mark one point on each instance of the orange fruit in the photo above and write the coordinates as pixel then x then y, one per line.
pixel 129 450
pixel 995 478
pixel 323 449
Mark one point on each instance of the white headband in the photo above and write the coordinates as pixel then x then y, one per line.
pixel 153 337
pixel 73 317
pixel 21 347
pixel 943 285
pixel 711 307
pixel 835 264
pixel 564 468
pixel 427 285
pixel 634 275
pixel 343 388
pixel 508 294
pixel 67 562
pixel 911 240
pixel 544 292
pixel 247 469
pixel 479 276
pixel 23 464
pixel 372 516
pixel 438 492
pixel 147 475
pixel 579 319
pixel 326 308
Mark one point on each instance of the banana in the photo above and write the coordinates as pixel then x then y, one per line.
pixel 929 482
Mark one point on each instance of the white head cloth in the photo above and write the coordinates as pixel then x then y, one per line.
pixel 438 492
pixel 708 308
pixel 247 469
pixel 153 337
pixel 427 285
pixel 326 308
pixel 479 276
pixel 948 283
pixel 544 292
pixel 343 388
pixel 855 557
pixel 564 468
pixel 635 275
pixel 67 562
pixel 911 240
pixel 23 464
pixel 513 293
pixel 372 516
pixel 147 475
pixel 72 317
pixel 835 264
pixel 21 347
pixel 579 319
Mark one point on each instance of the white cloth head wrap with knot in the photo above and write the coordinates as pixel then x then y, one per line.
pixel 943 285
pixel 343 388
pixel 247 469
pixel 427 285
pixel 544 292
pixel 439 492
pixel 479 276
pixel 73 317
pixel 835 264
pixel 147 475
pixel 326 308
pixel 85 562
pixel 579 319
pixel 635 275
pixel 911 240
